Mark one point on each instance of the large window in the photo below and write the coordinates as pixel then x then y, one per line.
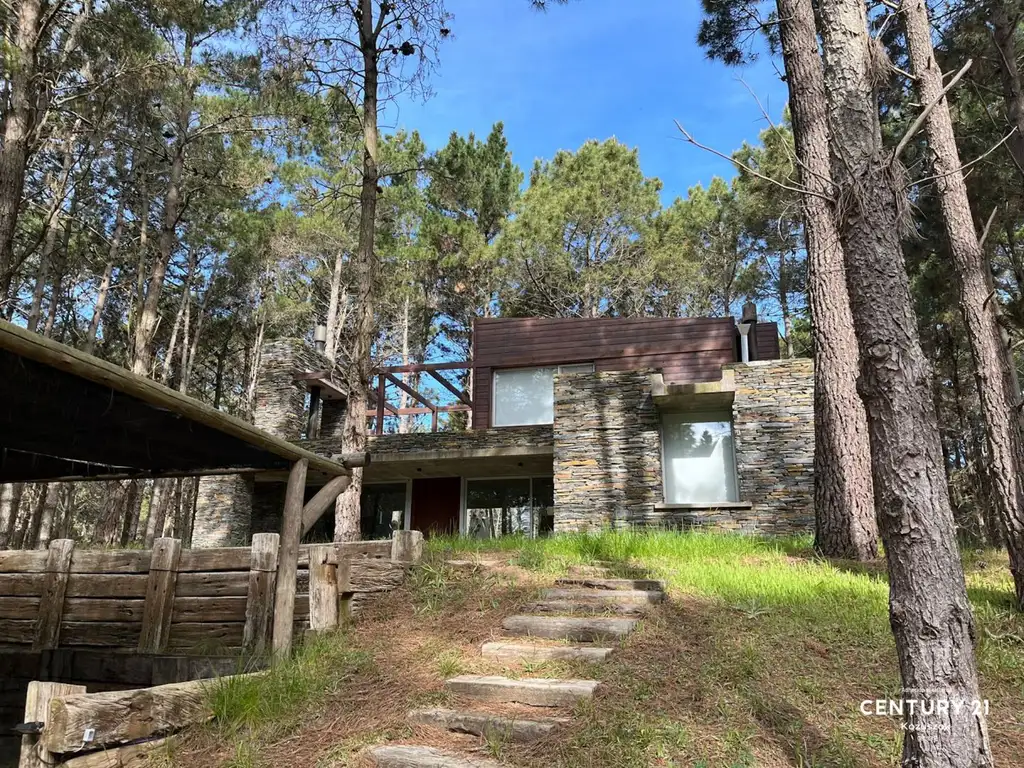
pixel 504 506
pixel 527 395
pixel 698 460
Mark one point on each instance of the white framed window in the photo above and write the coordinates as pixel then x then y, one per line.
pixel 698 461
pixel 524 396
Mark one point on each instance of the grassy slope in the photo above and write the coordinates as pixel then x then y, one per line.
pixel 761 658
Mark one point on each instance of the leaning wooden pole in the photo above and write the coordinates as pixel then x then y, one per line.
pixel 288 564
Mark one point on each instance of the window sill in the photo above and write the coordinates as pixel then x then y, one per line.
pixel 708 505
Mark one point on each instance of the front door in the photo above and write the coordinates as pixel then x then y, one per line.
pixel 435 505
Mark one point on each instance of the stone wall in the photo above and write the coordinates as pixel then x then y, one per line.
pixel 773 426
pixel 280 402
pixel 607 450
pixel 416 442
pixel 223 511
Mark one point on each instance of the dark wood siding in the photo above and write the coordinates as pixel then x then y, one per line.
pixel 684 349
pixel 766 341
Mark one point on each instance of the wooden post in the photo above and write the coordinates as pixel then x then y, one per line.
pixel 288 563
pixel 51 604
pixel 259 605
pixel 37 710
pixel 323 588
pixel 156 613
pixel 407 546
pixel 381 385
pixel 324 498
pixel 344 580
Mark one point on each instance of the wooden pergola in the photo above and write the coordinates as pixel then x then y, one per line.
pixel 66 415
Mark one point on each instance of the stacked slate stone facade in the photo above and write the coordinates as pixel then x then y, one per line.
pixel 230 509
pixel 426 442
pixel 607 450
pixel 773 427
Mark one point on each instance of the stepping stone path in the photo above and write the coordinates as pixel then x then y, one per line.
pixel 580 595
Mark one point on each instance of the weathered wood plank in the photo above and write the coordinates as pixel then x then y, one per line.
pixel 117 634
pixel 51 603
pixel 376 575
pixel 21 584
pixel 17 631
pixel 103 609
pixel 123 716
pixel 214 559
pixel 375 550
pixel 19 608
pixel 107 585
pixel 156 618
pixel 215 609
pixel 151 753
pixel 407 547
pixel 37 710
pixel 228 584
pixel 291 532
pixel 115 561
pixel 323 589
pixel 22 561
pixel 206 638
pixel 259 604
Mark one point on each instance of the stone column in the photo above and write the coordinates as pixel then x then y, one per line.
pixel 223 511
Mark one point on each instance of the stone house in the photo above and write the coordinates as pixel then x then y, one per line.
pixel 574 424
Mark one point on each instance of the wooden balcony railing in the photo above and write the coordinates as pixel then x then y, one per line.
pixel 388 377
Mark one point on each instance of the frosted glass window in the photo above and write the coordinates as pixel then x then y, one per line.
pixel 699 464
pixel 527 395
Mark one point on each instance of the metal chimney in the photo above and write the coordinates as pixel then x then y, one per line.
pixel 320 338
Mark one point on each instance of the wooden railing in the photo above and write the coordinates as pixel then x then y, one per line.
pixel 173 601
pixel 378 407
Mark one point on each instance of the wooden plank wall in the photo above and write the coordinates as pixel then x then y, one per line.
pixel 683 349
pixel 105 594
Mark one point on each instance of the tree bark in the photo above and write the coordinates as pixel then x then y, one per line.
pixel 19 123
pixel 929 611
pixel 844 508
pixel 346 520
pixel 992 365
pixel 145 331
pixel 10 506
pixel 104 289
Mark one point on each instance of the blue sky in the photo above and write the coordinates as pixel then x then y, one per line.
pixel 594 69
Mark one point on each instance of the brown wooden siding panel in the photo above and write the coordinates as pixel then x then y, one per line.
pixel 482 397
pixel 766 337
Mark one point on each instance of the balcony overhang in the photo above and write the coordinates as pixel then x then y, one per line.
pixel 693 396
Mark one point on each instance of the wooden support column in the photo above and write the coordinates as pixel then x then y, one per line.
pixel 313 425
pixel 323 588
pixel 259 605
pixel 381 384
pixel 156 613
pixel 51 604
pixel 288 563
pixel 37 710
pixel 324 498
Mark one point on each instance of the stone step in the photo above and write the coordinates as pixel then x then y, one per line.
pixel 530 652
pixel 587 608
pixel 647 585
pixel 605 595
pixel 389 756
pixel 575 630
pixel 537 692
pixel 487 725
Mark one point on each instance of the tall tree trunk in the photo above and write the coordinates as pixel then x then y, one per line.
pixel 35 311
pixel 19 123
pixel 132 506
pixel 844 507
pixel 1004 32
pixel 929 612
pixel 104 289
pixel 10 505
pixel 42 519
pixel 165 375
pixel 333 321
pixel 992 365
pixel 346 520
pixel 145 331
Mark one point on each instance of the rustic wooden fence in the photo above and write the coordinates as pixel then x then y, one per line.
pixel 152 604
pixel 173 601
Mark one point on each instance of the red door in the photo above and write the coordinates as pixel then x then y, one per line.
pixel 435 505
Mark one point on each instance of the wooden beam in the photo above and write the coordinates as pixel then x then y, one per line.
pixel 291 533
pixel 35 347
pixel 37 710
pixel 421 411
pixel 156 615
pixel 424 367
pixel 259 604
pixel 325 497
pixel 462 395
pixel 408 390
pixel 141 755
pixel 51 603
pixel 324 380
